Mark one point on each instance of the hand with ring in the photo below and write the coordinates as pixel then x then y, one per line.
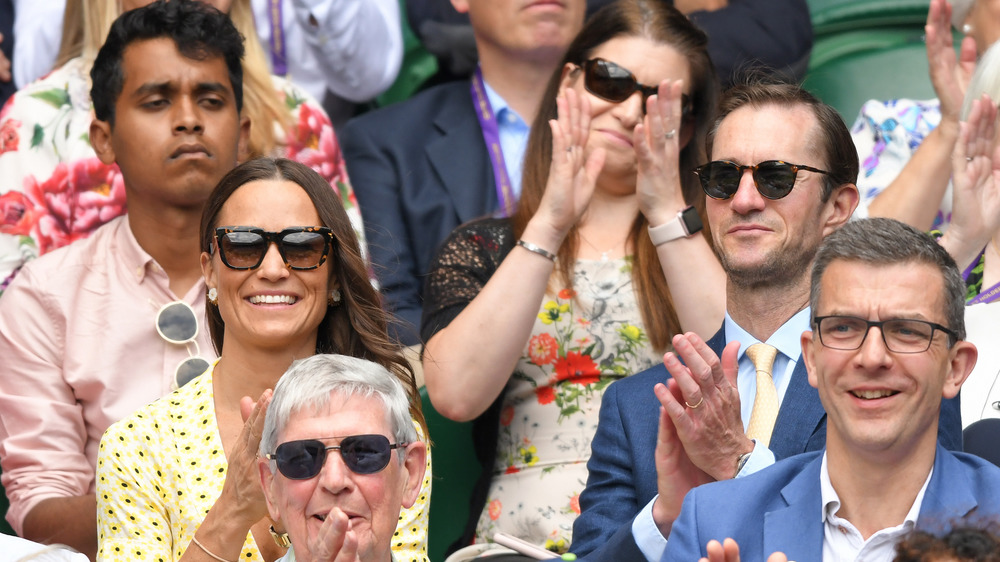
pixel 657 151
pixel 704 404
pixel 676 475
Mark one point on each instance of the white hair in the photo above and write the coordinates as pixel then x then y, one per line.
pixel 308 384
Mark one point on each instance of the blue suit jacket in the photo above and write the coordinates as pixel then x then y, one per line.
pixel 779 508
pixel 419 169
pixel 622 470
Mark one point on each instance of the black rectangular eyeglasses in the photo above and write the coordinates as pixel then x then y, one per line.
pixel 900 335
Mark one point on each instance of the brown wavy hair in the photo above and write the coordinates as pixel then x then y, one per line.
pixel 357 326
pixel 660 23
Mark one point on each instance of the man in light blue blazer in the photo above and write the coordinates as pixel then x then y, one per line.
pixel 782 178
pixel 887 345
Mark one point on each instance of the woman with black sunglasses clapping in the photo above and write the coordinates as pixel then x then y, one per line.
pixel 178 479
pixel 602 263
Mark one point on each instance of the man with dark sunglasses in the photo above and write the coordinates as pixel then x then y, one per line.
pixel 454 152
pixel 79 326
pixel 781 179
pixel 886 346
pixel 339 456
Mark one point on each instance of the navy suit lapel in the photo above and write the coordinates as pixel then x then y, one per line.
pixel 458 156
pixel 795 528
pixel 800 416
pixel 718 341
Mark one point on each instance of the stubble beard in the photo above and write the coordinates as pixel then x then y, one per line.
pixel 779 268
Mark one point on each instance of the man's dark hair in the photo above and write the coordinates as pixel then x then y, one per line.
pixel 199 31
pixel 881 241
pixel 759 90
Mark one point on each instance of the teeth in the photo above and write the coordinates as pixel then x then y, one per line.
pixel 872 394
pixel 272 299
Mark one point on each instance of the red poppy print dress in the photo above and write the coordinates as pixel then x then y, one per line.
pixel 582 340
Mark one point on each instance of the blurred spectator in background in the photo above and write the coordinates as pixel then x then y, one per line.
pixel 961 544
pixel 775 34
pixel 7 85
pixel 340 51
pixel 453 153
pixel 905 145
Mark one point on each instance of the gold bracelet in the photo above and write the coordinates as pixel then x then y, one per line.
pixel 207 551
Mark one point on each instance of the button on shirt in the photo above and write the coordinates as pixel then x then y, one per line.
pixel 843 542
pixel 513 137
pixel 80 351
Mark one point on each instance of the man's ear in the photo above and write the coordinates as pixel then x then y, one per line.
pixel 839 208
pixel 963 356
pixel 808 341
pixel 100 139
pixel 413 468
pixel 243 150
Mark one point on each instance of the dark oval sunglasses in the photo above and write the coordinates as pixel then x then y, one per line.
pixel 615 83
pixel 301 247
pixel 774 179
pixel 304 459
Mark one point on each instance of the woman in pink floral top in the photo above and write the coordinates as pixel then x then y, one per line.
pixel 53 188
pixel 537 314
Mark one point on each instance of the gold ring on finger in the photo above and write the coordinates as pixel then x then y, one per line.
pixel 695 406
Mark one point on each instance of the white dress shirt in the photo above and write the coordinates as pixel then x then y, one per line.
pixel 842 542
pixel 38 29
pixel 981 391
pixel 353 48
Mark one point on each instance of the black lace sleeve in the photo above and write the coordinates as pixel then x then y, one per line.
pixel 464 263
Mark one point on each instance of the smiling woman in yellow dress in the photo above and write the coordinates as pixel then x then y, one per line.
pixel 178 479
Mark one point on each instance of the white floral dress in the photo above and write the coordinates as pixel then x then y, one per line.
pixel 583 340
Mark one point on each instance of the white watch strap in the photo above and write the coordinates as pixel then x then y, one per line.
pixel 668 231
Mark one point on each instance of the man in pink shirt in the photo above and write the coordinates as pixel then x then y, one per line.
pixel 82 335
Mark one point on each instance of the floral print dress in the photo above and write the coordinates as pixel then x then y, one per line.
pixel 886 134
pixel 582 340
pixel 54 189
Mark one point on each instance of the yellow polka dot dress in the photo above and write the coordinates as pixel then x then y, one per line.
pixel 160 470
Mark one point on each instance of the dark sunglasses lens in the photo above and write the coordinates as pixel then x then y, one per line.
pixel 720 180
pixel 189 369
pixel 365 454
pixel 242 249
pixel 304 249
pixel 774 179
pixel 176 323
pixel 609 81
pixel 300 460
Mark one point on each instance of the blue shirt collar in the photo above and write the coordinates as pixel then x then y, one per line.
pixel 787 338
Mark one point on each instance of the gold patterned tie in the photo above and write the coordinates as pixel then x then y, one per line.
pixel 765 404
